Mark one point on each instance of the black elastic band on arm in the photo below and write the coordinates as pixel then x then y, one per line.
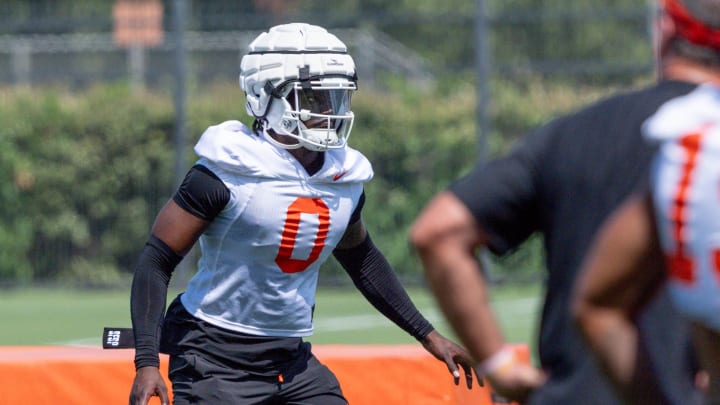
pixel 202 193
pixel 374 277
pixel 148 297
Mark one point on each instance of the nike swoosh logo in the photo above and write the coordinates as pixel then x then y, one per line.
pixel 339 175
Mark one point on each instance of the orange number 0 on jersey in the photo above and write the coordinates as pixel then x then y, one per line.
pixel 302 205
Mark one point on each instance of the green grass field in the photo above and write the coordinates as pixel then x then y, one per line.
pixel 342 316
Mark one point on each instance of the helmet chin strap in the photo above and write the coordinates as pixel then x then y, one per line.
pixel 317 146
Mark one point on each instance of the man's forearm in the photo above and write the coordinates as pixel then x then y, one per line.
pixel 459 288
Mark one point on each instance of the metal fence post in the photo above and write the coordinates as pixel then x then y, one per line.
pixel 482 68
pixel 136 66
pixel 179 20
pixel 180 15
pixel 21 62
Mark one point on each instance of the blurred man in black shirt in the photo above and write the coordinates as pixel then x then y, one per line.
pixel 562 182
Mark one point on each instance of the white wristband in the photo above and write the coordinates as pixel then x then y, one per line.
pixel 501 361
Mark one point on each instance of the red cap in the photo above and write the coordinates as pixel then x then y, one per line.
pixel 690 28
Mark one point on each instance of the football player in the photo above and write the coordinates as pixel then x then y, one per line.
pixel 562 182
pixel 667 235
pixel 268 204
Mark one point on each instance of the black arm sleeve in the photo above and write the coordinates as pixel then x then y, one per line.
pixel 148 297
pixel 203 195
pixel 372 275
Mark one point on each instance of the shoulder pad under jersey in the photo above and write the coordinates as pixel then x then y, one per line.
pixel 345 165
pixel 682 115
pixel 233 146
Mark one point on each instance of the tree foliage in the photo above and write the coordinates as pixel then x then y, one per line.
pixel 82 175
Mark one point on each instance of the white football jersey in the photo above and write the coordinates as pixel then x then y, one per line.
pixel 686 190
pixel 261 255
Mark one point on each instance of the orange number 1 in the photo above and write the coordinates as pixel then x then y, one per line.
pixel 679 263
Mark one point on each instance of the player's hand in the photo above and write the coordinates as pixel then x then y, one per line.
pixel 517 381
pixel 453 355
pixel 148 383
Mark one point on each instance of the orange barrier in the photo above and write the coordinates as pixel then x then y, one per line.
pixel 401 374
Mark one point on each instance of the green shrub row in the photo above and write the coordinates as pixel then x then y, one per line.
pixel 82 175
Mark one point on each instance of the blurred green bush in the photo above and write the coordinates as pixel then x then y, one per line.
pixel 82 175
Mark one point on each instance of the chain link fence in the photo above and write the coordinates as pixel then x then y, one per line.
pixel 81 59
pixel 71 43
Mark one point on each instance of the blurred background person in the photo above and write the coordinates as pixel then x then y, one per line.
pixel 563 181
pixel 668 233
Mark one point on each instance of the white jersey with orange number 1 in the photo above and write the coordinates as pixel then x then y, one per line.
pixel 685 181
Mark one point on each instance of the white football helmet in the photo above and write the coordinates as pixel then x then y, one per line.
pixel 298 80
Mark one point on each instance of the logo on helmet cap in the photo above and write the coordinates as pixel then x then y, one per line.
pixel 287 124
pixel 334 62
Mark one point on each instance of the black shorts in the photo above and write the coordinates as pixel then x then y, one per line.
pixel 211 365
